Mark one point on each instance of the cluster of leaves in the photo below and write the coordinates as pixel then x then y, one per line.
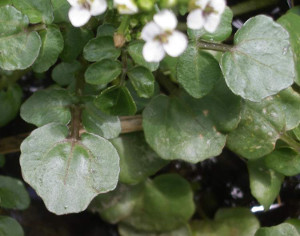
pixel 239 97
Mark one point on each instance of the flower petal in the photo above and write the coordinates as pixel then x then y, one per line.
pixel 218 5
pixel 166 20
pixel 195 19
pixel 126 6
pixel 150 31
pixel 153 51
pixel 212 22
pixel 74 3
pixel 79 16
pixel 177 43
pixel 98 7
pixel 201 3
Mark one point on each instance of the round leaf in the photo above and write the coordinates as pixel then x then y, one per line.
pixel 197 71
pixel 106 30
pixel 278 230
pixel 60 11
pixel 103 72
pixel 10 227
pixel 261 62
pixel 64 73
pixel 67 173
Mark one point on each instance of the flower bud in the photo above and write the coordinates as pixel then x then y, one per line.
pixel 119 40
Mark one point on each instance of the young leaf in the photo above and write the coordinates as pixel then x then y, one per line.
pixel 97 122
pixel 159 208
pixel 101 48
pixel 142 80
pixel 290 22
pixel 178 129
pixel 222 32
pixel 67 174
pixel 14 40
pixel 52 46
pixel 278 230
pixel 265 183
pixel 258 130
pixel 10 227
pixel 285 161
pixel 103 72
pixel 10 102
pixel 46 106
pixel 37 10
pixel 64 73
pixel 137 159
pixel 135 50
pixel 261 62
pixel 197 71
pixel 117 101
pixel 13 194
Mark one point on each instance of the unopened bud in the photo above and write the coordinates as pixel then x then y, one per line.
pixel 119 40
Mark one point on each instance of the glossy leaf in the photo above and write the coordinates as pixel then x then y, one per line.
pixel 285 161
pixel 15 41
pixel 278 230
pixel 117 101
pixel 265 183
pixel 290 22
pixel 97 122
pixel 137 159
pixel 60 11
pixel 103 72
pixel 67 174
pixel 261 62
pixel 46 106
pixel 222 32
pixel 160 207
pixel 197 71
pixel 101 48
pixel 52 46
pixel 10 227
pixel 135 50
pixel 37 10
pixel 10 102
pixel 178 129
pixel 258 130
pixel 64 73
pixel 142 80
pixel 13 194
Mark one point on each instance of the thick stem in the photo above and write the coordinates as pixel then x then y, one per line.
pixel 291 142
pixel 75 122
pixel 124 25
pixel 213 46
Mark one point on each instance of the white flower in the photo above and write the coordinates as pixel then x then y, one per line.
pixel 161 37
pixel 82 10
pixel 126 6
pixel 207 14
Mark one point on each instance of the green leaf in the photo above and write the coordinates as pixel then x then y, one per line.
pixel 137 159
pixel 5 2
pixel 13 194
pixel 64 73
pixel 285 161
pixel 160 207
pixel 278 230
pixel 96 122
pixel 52 46
pixel 258 130
pixel 178 129
pixel 10 227
pixel 117 204
pixel 290 22
pixel 14 40
pixel 209 227
pixel 46 106
pixel 116 100
pixel 37 10
pixel 135 50
pixel 222 32
pixel 103 72
pixel 142 80
pixel 261 62
pixel 101 48
pixel 295 223
pixel 125 230
pixel 197 71
pixel 10 102
pixel 60 11
pixel 264 183
pixel 66 173
pixel 75 39
pixel 106 30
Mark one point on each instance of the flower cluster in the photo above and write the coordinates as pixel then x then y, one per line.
pixel 160 34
